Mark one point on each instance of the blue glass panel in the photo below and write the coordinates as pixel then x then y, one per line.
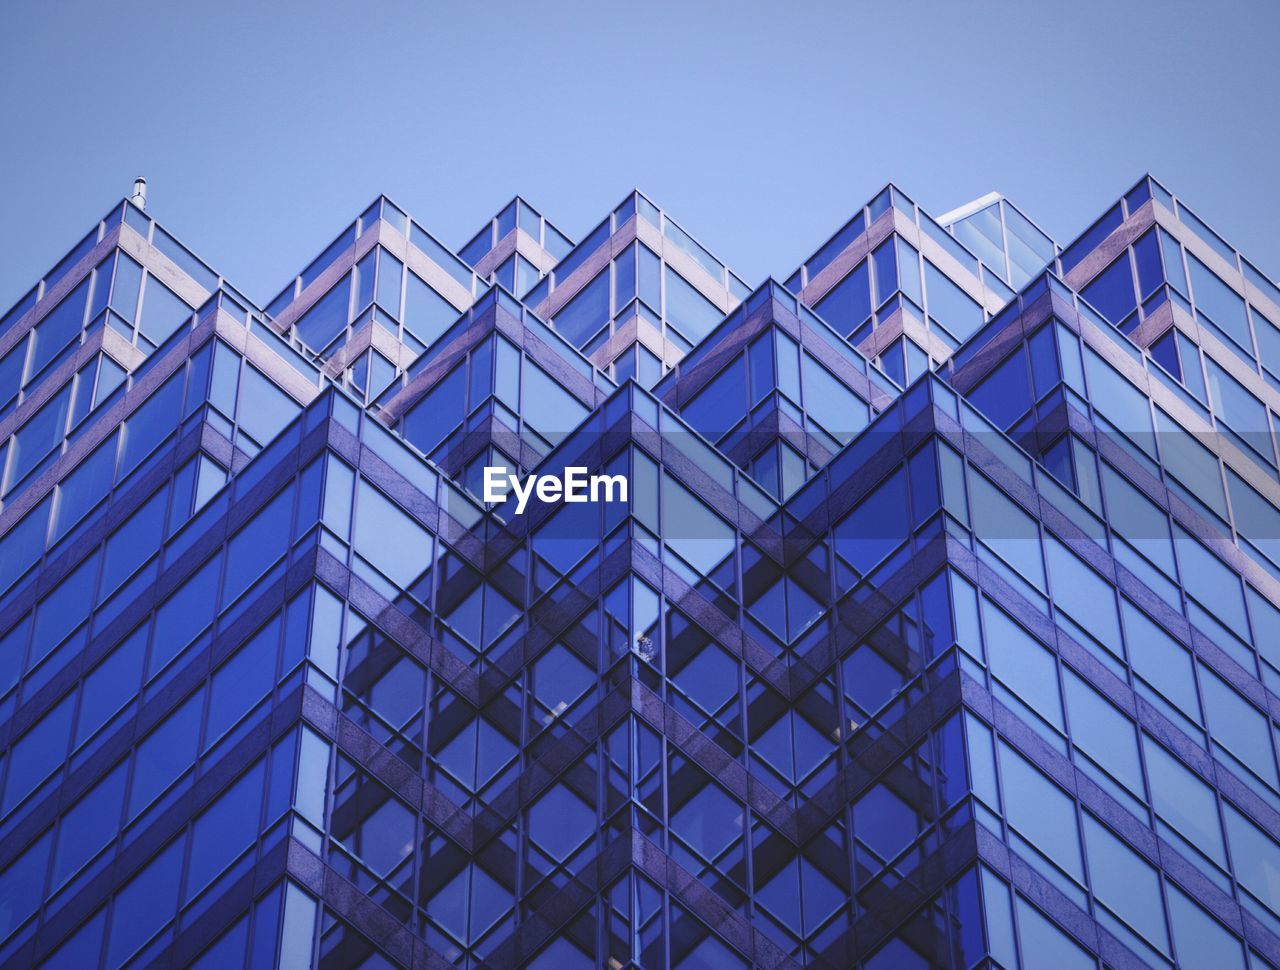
pixel 439 411
pixel 1022 664
pixel 426 313
pixel 587 312
pixel 545 405
pixel 263 409
pixel 390 274
pixel 38 753
pixel 89 825
pixel 162 311
pixel 1004 395
pixel 1126 884
pixel 688 310
pixel 111 685
pixel 1044 946
pixel 1111 292
pixel 151 423
pixel 848 303
pixel 1219 302
pixel 1146 254
pixel 60 326
pixel 16 884
pixel 1201 941
pixel 878 525
pixel 949 305
pixel 884 259
pixel 321 323
pixel 719 405
pixel 133 542
pixel 225 829
pixel 167 752
pixel 145 904
pixel 377 517
pixel 40 435
pixel 257 545
pixel 188 611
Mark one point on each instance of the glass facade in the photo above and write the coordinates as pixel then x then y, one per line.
pixel 939 625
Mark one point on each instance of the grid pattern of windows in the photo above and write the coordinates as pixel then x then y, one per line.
pixel 938 627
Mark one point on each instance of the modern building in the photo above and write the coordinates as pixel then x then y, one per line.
pixel 939 625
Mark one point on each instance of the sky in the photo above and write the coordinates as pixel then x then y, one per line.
pixel 263 128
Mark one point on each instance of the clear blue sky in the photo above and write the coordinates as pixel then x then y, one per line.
pixel 264 126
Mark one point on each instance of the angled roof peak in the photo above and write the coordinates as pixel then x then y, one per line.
pixel 1003 236
pixel 1175 216
pixel 382 211
pixel 125 220
pixel 969 208
pixel 516 259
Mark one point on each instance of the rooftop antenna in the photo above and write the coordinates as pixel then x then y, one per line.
pixel 139 197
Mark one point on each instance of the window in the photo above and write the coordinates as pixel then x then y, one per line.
pixel 1238 726
pixel 187 611
pixel 1040 812
pixel 1184 801
pixel 1044 946
pixel 1125 883
pixel 41 434
pixel 1111 292
pixel 848 303
pixel 162 311
pixel 1084 595
pixel 124 293
pixel 327 316
pixel 1025 667
pixel 225 829
pixel 698 535
pixel 1102 732
pixel 18 882
pixel 133 542
pixel 390 273
pixel 949 305
pixel 1211 582
pixel 263 409
pixel 1160 660
pixel 151 423
pixel 111 685
pixel 440 411
pixel 60 326
pixel 378 519
pixel 587 312
pixel 826 399
pixel 719 405
pixel 1004 395
pixel 689 311
pixel 89 825
pixel 1256 857
pixel 145 904
pixel 426 313
pixel 38 753
pixel 1220 303
pixel 1199 939
pixel 876 527
pixel 546 407
pixel 258 545
pixel 1122 404
pixel 1010 532
pixel 1146 255
pixel 62 610
pixel 169 751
